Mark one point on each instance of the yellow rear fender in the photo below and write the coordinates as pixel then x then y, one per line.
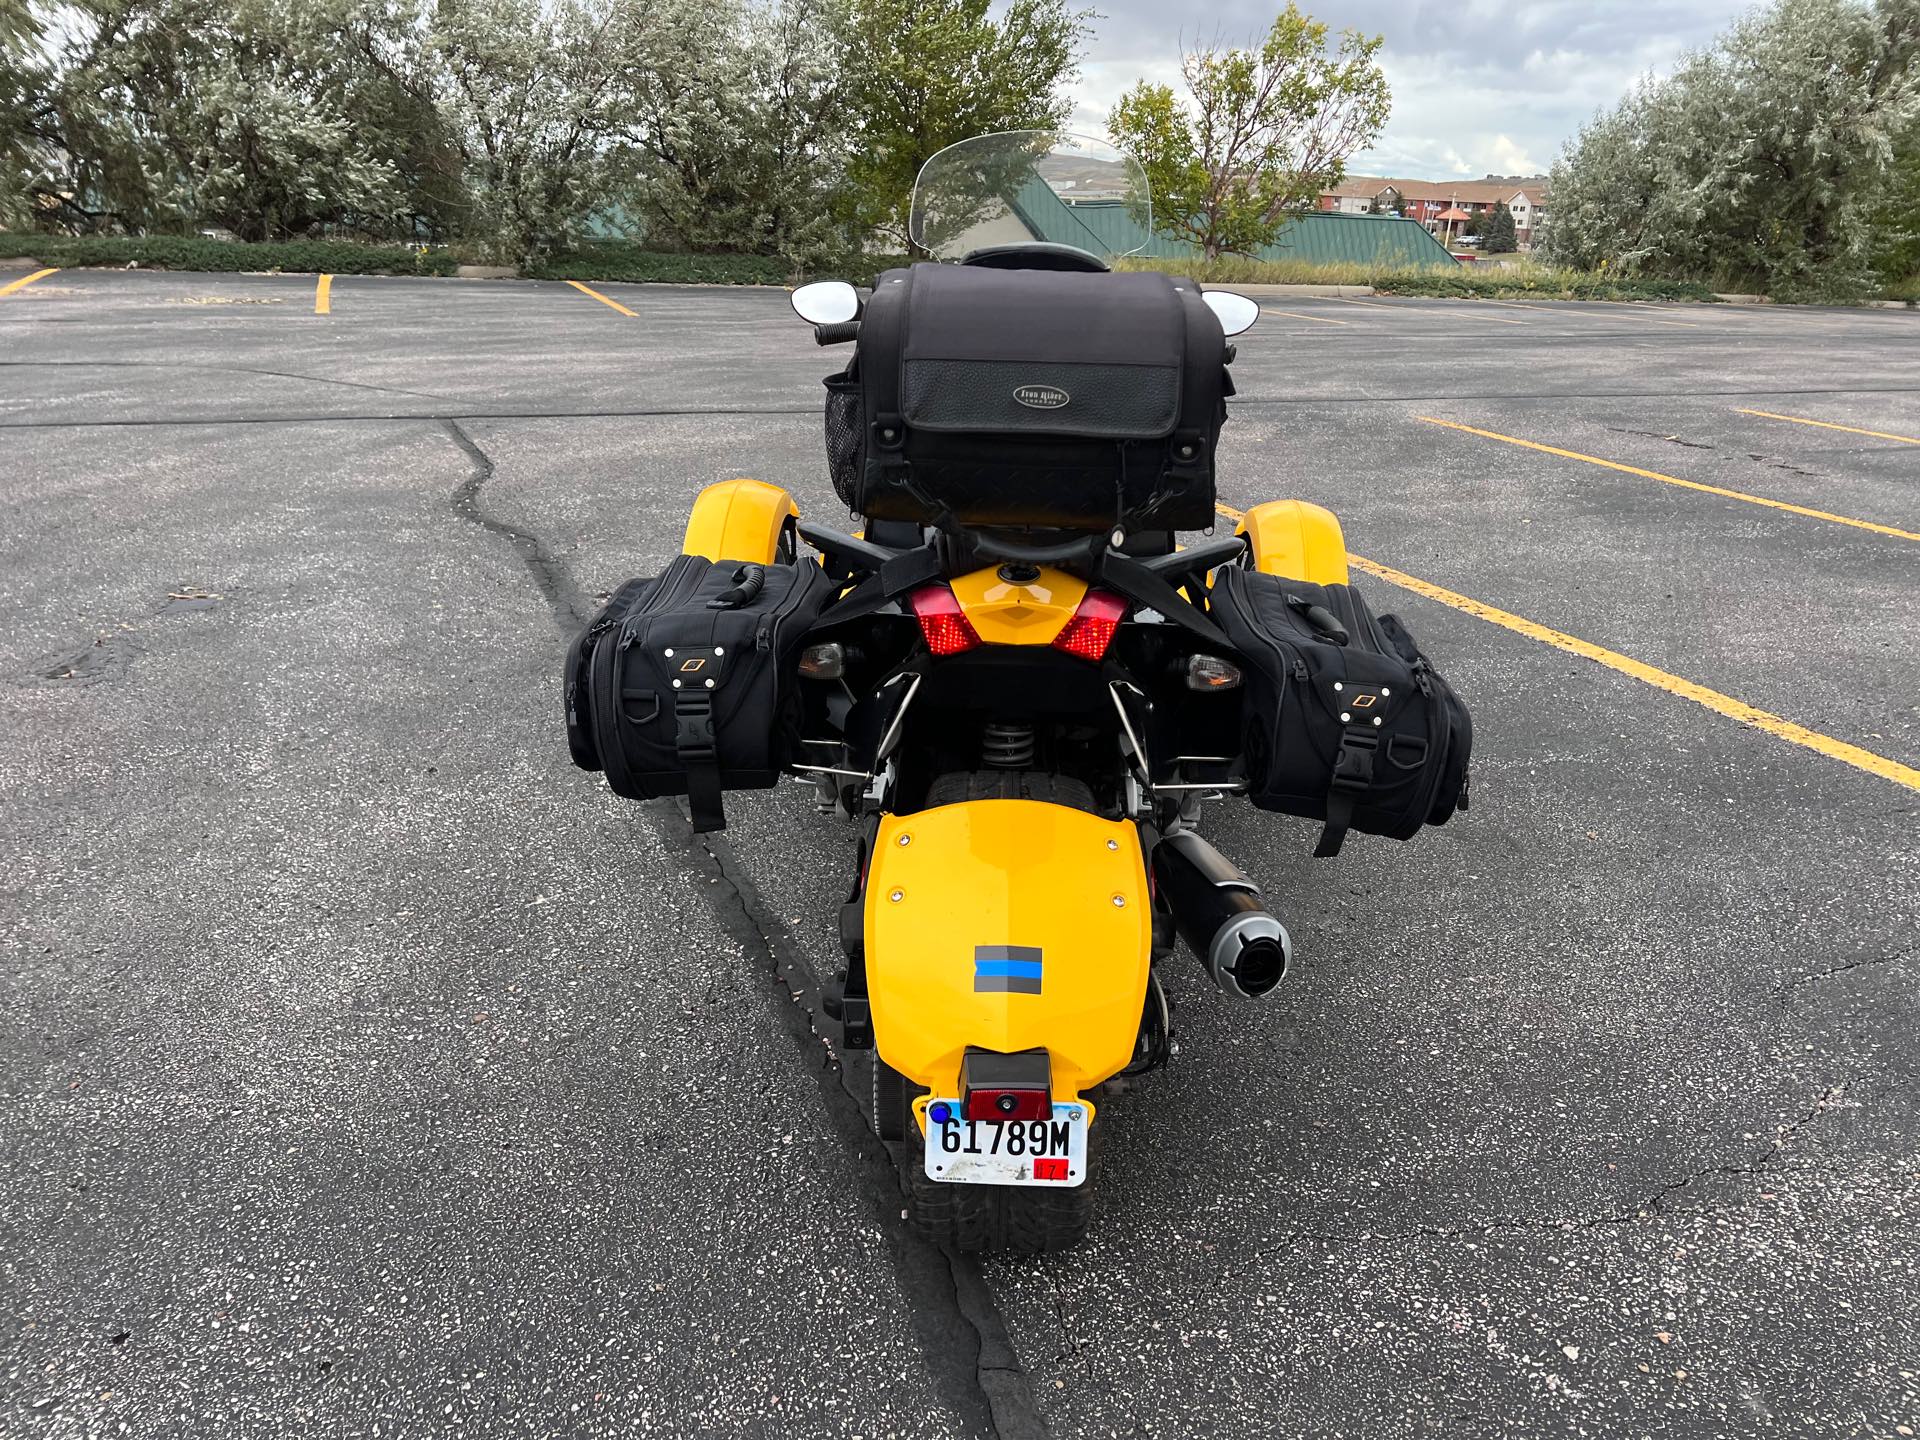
pixel 740 520
pixel 1008 925
pixel 1296 541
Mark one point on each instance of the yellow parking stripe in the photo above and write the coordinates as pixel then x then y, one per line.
pixel 27 280
pixel 1867 760
pixel 1877 529
pixel 1295 315
pixel 1829 425
pixel 323 296
pixel 601 298
pixel 1426 313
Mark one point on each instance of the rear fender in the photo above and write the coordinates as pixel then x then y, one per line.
pixel 739 520
pixel 1008 925
pixel 1296 540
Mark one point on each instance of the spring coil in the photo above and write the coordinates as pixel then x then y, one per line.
pixel 1005 746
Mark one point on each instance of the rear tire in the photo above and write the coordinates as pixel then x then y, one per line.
pixel 961 785
pixel 1009 1219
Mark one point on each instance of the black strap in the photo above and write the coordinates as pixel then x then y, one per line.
pixel 1143 587
pixel 1352 778
pixel 693 740
pixel 907 571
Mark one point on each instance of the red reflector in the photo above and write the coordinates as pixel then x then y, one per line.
pixel 1092 628
pixel 1005 1104
pixel 942 621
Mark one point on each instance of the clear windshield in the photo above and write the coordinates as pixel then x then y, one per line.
pixel 1023 185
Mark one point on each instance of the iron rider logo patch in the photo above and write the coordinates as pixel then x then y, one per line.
pixel 1006 969
pixel 1041 397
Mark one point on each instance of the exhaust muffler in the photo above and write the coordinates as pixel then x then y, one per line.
pixel 1218 912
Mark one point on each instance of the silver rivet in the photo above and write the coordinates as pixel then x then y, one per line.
pixel 897 896
pixel 668 652
pixel 1376 720
pixel 1113 844
pixel 676 684
pixel 1119 902
pixel 709 684
pixel 719 650
pixel 1338 686
pixel 1384 692
pixel 904 840
pixel 1345 717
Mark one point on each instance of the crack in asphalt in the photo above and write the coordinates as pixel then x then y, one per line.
pixel 220 369
pixel 1782 991
pixel 555 582
pixel 952 1308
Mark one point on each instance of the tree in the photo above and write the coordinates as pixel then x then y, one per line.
pixel 1261 133
pixel 924 74
pixel 1758 162
pixel 742 147
pixel 1497 234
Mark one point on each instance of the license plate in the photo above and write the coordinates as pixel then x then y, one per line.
pixel 1007 1152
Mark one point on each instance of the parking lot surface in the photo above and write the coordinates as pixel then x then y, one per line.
pixel 365 1069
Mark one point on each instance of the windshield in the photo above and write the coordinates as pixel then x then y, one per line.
pixel 1024 185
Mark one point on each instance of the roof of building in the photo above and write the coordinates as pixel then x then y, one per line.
pixel 1469 192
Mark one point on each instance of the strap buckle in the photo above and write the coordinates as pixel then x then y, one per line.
pixel 693 726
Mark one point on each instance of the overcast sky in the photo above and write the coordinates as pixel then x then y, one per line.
pixel 1479 86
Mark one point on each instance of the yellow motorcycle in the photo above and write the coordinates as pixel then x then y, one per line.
pixel 1015 680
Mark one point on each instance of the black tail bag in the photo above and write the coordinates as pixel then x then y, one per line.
pixel 1345 719
pixel 1031 398
pixel 686 684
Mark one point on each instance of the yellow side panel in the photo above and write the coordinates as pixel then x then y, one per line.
pixel 1007 614
pixel 1296 541
pixel 739 520
pixel 997 874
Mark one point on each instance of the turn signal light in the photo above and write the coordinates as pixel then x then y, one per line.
pixel 1008 1104
pixel 1093 626
pixel 1210 672
pixel 942 621
pixel 824 662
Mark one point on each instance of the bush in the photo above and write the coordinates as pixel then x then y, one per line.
pixel 612 260
pixel 1461 282
pixel 189 252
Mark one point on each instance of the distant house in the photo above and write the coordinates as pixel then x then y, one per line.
pixel 1431 201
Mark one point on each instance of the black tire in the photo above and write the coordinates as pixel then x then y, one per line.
pixel 893 1097
pixel 1005 1219
pixel 960 785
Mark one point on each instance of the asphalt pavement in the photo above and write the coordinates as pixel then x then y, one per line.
pixel 365 1069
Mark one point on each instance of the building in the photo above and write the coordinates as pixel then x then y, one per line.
pixel 1427 201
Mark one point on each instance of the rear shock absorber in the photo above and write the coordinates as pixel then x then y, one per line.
pixel 1006 746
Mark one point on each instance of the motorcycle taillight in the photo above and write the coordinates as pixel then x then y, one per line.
pixel 942 621
pixel 1093 626
pixel 1009 1105
pixel 1006 1087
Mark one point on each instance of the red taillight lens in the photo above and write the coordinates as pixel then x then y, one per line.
pixel 1008 1104
pixel 1093 626
pixel 942 621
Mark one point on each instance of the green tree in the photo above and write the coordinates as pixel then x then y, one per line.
pixel 1262 132
pixel 1761 161
pixel 1497 233
pixel 925 74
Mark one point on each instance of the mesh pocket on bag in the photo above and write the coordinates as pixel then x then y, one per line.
pixel 846 435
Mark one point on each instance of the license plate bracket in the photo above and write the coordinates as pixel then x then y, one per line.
pixel 1050 1153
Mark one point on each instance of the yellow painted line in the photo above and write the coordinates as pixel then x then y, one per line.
pixel 1829 425
pixel 1429 314
pixel 1675 480
pixel 1295 315
pixel 27 280
pixel 601 298
pixel 1764 720
pixel 323 296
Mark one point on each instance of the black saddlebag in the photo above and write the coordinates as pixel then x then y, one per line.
pixel 1031 398
pixel 686 684
pixel 1344 719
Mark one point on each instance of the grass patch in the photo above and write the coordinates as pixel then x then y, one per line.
pixel 1907 290
pixel 1521 281
pixel 190 252
pixel 613 260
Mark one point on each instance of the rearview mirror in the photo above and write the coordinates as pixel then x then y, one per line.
pixel 1236 312
pixel 827 302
